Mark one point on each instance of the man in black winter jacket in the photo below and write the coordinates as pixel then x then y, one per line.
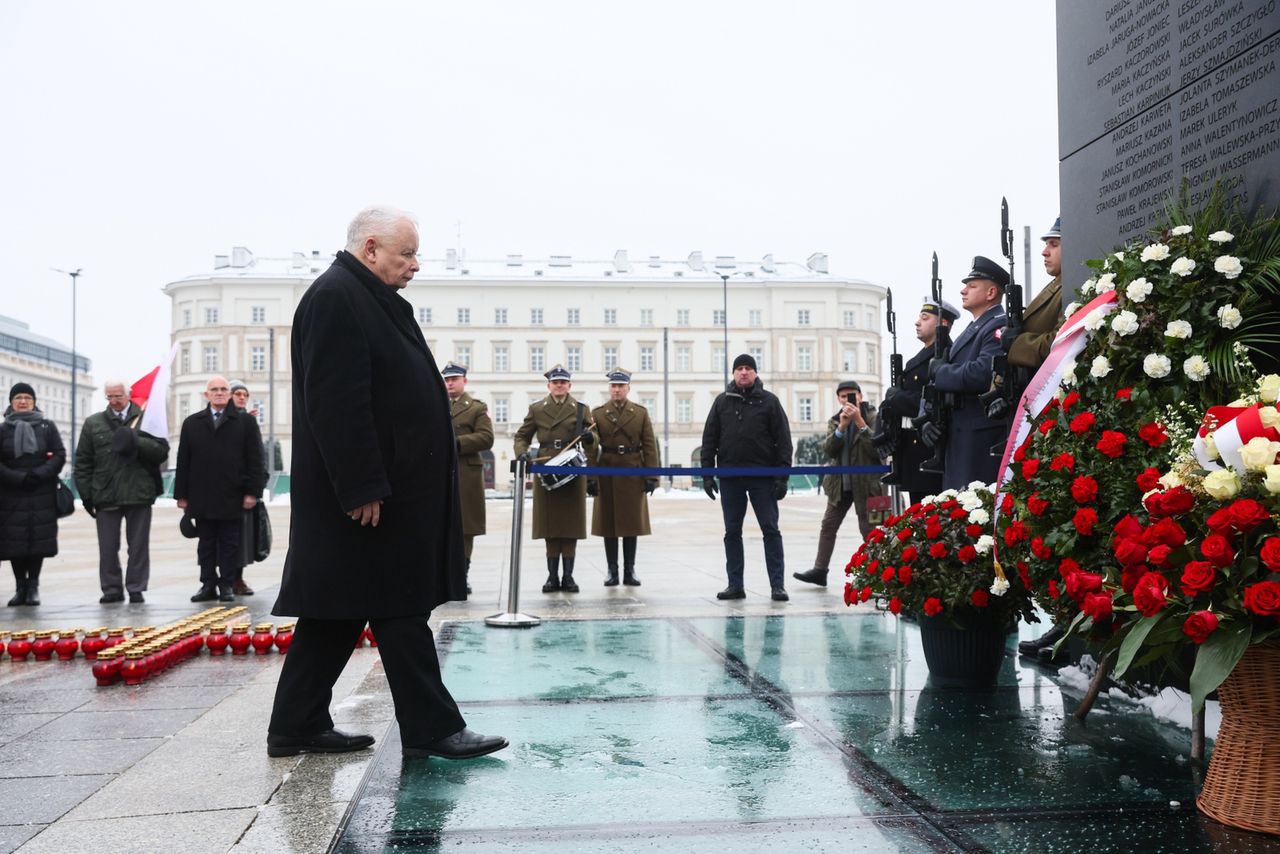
pixel 747 428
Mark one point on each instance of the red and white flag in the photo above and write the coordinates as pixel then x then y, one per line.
pixel 151 394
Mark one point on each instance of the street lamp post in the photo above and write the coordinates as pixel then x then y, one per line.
pixel 74 276
pixel 724 277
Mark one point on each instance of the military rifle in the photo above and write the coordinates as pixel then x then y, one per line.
pixel 1007 380
pixel 936 404
pixel 889 429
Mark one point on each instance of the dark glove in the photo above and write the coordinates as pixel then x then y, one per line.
pixel 780 488
pixel 587 438
pixel 650 484
pixel 124 442
pixel 889 405
pixel 524 457
pixel 709 487
pixel 930 434
pixel 90 508
pixel 593 488
pixel 30 481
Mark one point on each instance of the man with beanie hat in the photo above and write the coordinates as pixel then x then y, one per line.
pixel 747 427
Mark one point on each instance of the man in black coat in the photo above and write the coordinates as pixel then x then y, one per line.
pixel 220 475
pixel 747 427
pixel 376 531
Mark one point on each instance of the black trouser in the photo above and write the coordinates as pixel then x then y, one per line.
pixel 320 649
pixel 27 568
pixel 628 551
pixel 218 551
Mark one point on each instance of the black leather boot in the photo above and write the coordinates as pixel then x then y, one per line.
pixel 568 585
pixel 553 574
pixel 611 580
pixel 20 597
pixel 1031 648
pixel 467 576
pixel 611 557
pixel 629 562
pixel 33 591
pixel 812 576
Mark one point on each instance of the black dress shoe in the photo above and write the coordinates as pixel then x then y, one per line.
pixel 812 576
pixel 205 594
pixel 466 744
pixel 239 588
pixel 110 598
pixel 329 741
pixel 732 593
pixel 779 595
pixel 1031 648
pixel 226 596
pixel 136 599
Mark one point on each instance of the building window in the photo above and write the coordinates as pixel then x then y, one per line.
pixel 646 317
pixel 257 358
pixel 872 359
pixel 184 407
pixel 757 353
pixel 651 404
pixel 682 317
pixel 646 358
pixel 535 317
pixel 210 316
pixel 499 317
pixel 684 358
pixel 873 318
pixel 717 359
pixel 185 362
pixel 500 360
pixel 849 359
pixel 574 317
pixel 424 316
pixel 805 408
pixel 573 359
pixel 210 359
pixel 850 319
pixel 501 410
pixel 537 359
pixel 464 355
pixel 802 317
pixel 755 317
pixel 610 317
pixel 717 317
pixel 684 410
pixel 610 357
pixel 464 317
pixel 804 358
pixel 258 314
pixel 186 318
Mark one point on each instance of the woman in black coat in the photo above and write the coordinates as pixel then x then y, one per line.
pixel 31 455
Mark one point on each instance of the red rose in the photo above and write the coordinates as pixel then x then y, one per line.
pixel 938 550
pixel 904 575
pixel 1124 394
pixel 1219 521
pixel 1053 588
pixel 980 598
pixel 1084 489
pixel 1014 534
pixel 1149 479
pixel 1153 434
pixel 1080 583
pixel 1045 427
pixel 1111 444
pixel 933 530
pixel 895 606
pixel 1036 505
pixel 1084 520
pixel 1247 514
pixel 948 504
pixel 1068 567
pixel 967 554
pixel 866 594
pixel 1159 555
pixel 973 531
pixel 1177 501
pixel 909 554
pixel 932 606
pixel 888 575
pixel 873 567
pixel 1072 398
pixel 1097 606
pixel 850 597
pixel 1149 594
pixel 1063 462
pixel 1263 598
pixel 1029 469
pixel 1165 531
pixel 1024 572
pixel 1130 552
pixel 1218 550
pixel 1271 553
pixel 1197 577
pixel 1039 549
pixel 876 536
pixel 1021 454
pixel 1128 526
pixel 1082 423
pixel 959 513
pixel 859 557
pixel 904 535
pixel 1199 625
pixel 1006 503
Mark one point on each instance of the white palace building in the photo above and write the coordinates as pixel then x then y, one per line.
pixel 509 320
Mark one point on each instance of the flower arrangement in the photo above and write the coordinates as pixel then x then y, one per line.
pixel 936 558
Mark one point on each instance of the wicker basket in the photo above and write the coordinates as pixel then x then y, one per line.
pixel 1242 786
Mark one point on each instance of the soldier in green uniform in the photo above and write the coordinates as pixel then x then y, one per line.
pixel 621 508
pixel 474 433
pixel 559 516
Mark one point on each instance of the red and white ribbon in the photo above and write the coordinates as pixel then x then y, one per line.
pixel 1231 428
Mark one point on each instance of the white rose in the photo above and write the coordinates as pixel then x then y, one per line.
pixel 1182 267
pixel 929 499
pixel 1211 447
pixel 1229 317
pixel 1179 230
pixel 1196 368
pixel 1072 308
pixel 1170 480
pixel 1096 320
pixel 1270 417
pixel 1107 283
pixel 1119 256
pixel 1272 483
pixel 986 541
pixel 1222 236
pixel 1157 366
pixel 1258 453
pixel 1138 290
pixel 1125 323
pixel 999 586
pixel 980 517
pixel 1100 367
pixel 977 484
pixel 1177 329
pixel 1087 288
pixel 969 501
pixel 1155 252
pixel 1269 388
pixel 1228 265
pixel 1069 373
pixel 1222 484
pixel 946 495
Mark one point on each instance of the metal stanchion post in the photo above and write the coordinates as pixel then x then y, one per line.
pixel 512 618
pixel 895 497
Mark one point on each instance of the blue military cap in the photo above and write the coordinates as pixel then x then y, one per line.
pixel 944 309
pixel 619 376
pixel 452 369
pixel 985 268
pixel 1055 231
pixel 557 373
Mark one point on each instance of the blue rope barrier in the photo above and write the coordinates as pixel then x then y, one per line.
pixel 763 471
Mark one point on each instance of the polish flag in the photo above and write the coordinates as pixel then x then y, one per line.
pixel 151 394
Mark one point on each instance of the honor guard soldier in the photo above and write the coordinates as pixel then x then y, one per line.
pixel 970 433
pixel 559 516
pixel 473 432
pixel 903 403
pixel 621 508
pixel 1041 319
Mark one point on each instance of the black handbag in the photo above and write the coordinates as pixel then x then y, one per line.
pixel 64 500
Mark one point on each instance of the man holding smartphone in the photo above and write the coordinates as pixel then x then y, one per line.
pixel 849 434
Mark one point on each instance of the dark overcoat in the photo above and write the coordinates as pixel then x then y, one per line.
pixel 29 513
pixel 474 430
pixel 1040 322
pixel 560 513
pixel 911 452
pixel 218 465
pixel 370 422
pixel 970 433
pixel 626 441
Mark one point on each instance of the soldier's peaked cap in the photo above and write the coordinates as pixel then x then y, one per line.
pixel 985 268
pixel 944 310
pixel 618 376
pixel 453 369
pixel 558 373
pixel 1054 231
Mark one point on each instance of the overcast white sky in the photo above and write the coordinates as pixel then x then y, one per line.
pixel 142 138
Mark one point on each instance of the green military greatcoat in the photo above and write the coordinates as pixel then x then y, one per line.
pixel 474 431
pixel 560 513
pixel 626 441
